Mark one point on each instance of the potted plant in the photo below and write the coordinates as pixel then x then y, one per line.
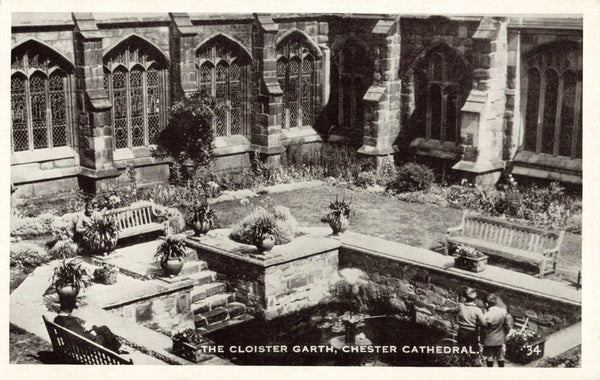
pixel 524 345
pixel 339 215
pixel 188 345
pixel 68 279
pixel 470 259
pixel 170 254
pixel 101 234
pixel 201 217
pixel 106 274
pixel 263 233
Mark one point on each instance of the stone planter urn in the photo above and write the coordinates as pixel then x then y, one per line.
pixel 201 227
pixel 338 224
pixel 172 267
pixel 265 244
pixel 67 294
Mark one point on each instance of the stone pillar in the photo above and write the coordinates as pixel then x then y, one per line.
pixel 323 41
pixel 183 38
pixel 382 100
pixel 483 113
pixel 94 106
pixel 267 94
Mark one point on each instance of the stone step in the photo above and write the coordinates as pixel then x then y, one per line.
pixel 200 292
pixel 235 309
pixel 203 277
pixel 191 267
pixel 223 324
pixel 218 314
pixel 210 303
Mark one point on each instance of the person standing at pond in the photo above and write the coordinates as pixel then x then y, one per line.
pixel 497 325
pixel 470 321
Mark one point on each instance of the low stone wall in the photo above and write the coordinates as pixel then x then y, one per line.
pixel 430 294
pixel 169 311
pixel 289 278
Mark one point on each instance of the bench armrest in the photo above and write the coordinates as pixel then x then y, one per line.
pixel 550 251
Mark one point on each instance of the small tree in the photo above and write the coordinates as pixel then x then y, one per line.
pixel 189 134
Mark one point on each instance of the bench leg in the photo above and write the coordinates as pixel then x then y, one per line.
pixel 542 269
pixel 446 248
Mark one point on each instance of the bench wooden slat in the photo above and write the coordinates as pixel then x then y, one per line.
pixel 79 348
pixel 135 220
pixel 509 240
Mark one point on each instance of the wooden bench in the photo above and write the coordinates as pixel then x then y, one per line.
pixel 136 220
pixel 509 240
pixel 78 349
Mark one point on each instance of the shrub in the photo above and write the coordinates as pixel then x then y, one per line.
pixel 63 249
pixel 278 219
pixel 189 134
pixel 174 218
pixel 366 179
pixel 30 227
pixel 435 195
pixel 412 177
pixel 27 255
pixel 387 173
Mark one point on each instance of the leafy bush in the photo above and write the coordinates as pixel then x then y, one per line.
pixel 174 218
pixel 366 179
pixel 278 220
pixel 30 227
pixel 436 195
pixel 189 134
pixel 63 249
pixel 27 255
pixel 412 177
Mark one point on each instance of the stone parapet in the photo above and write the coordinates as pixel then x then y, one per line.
pixel 286 279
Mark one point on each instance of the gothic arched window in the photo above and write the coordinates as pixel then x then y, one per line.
pixel 296 73
pixel 223 74
pixel 554 96
pixel 40 98
pixel 136 79
pixel 439 83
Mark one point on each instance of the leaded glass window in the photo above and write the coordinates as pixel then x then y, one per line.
pixel 554 96
pixel 222 74
pixel 297 78
pixel 439 82
pixel 138 95
pixel 40 96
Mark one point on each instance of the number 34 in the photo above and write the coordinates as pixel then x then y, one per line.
pixel 531 350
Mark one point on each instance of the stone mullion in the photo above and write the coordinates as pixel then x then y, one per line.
pixel 577 126
pixel 541 109
pixel 557 121
pixel 145 105
pixel 128 106
pixel 48 111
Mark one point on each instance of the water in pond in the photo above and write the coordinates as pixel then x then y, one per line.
pixel 250 343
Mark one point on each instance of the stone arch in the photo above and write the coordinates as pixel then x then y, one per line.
pixel 34 44
pixel 294 32
pixel 136 39
pixel 241 50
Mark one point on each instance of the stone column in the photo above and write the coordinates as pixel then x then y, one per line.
pixel 183 38
pixel 94 106
pixel 267 94
pixel 382 100
pixel 483 113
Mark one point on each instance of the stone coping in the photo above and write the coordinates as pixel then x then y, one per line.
pixel 493 275
pixel 310 244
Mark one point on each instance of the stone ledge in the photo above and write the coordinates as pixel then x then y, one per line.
pixel 226 145
pixel 311 244
pixel 479 167
pixel 299 135
pixel 447 150
pixel 35 175
pixel 42 155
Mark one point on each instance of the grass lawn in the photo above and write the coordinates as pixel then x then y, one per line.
pixel 416 224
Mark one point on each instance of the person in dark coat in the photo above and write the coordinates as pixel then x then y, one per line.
pixel 97 334
pixel 470 321
pixel 497 325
